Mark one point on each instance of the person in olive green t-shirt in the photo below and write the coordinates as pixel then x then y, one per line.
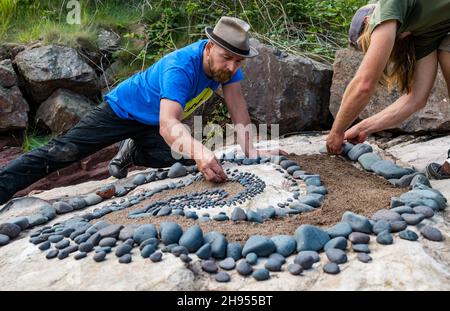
pixel 404 42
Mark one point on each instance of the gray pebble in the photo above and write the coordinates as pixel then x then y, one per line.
pixel 408 235
pixel 111 242
pixel 100 256
pixel 52 254
pixel 80 255
pixel 222 277
pixel 432 234
pixel 123 249
pixel 273 264
pixel 426 211
pixel 363 257
pixel 331 268
pixel 86 247
pixel 62 244
pixel 295 269
pixel 359 238
pixel 227 263
pixel 361 248
pixel 185 258
pixel 209 266
pixel 413 219
pixel 336 255
pixel 125 258
pixel 385 238
pixel 156 256
pixel 4 239
pixel 397 226
pixel 261 274
pixel 44 246
pixel 244 268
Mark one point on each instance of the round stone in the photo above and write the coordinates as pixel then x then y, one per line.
pixel 111 242
pixel 361 248
pixel 22 222
pixel 284 244
pixel 251 258
pixel 170 232
pixel 55 238
pixel 261 274
pixel 385 238
pixel 145 232
pixel 156 257
pixel 125 258
pixel 92 199
pixel 331 268
pixel 359 238
pixel 381 225
pixel 185 258
pixel 413 219
pixel 426 211
pixel 363 257
pixel 178 250
pixel 106 192
pixel 100 256
pixel 244 268
pixel 177 170
pixel 273 264
pixel 386 215
pixel 338 242
pixel 80 255
pixel 295 269
pixel 397 226
pixel 222 277
pixel 192 238
pixel 86 247
pixel 209 266
pixel 342 229
pixel 4 239
pixel 52 254
pixel 408 235
pixel 148 250
pixel 9 229
pixel 227 263
pixel 123 249
pixel 62 244
pixel 62 207
pixel 432 234
pixel 139 179
pixel 337 256
pixel 306 261
pixel 44 246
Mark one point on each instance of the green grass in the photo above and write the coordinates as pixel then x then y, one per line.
pixel 33 140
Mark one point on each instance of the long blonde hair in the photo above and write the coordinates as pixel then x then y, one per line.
pixel 399 71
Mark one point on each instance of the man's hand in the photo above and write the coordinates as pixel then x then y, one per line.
pixel 356 135
pixel 211 168
pixel 334 142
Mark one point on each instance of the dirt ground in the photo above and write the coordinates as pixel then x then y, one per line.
pixel 349 189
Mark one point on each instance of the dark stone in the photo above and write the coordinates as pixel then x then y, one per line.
pixel 63 254
pixel 380 226
pixel 177 170
pixel 170 232
pixel 361 248
pixel 44 246
pixel 285 164
pixel 185 258
pixel 52 254
pixel 227 264
pixel 218 244
pixel 192 238
pixel 37 219
pixel 204 252
pixel 385 238
pixel 403 209
pixel 123 249
pixel 408 235
pixel 295 269
pixel 156 257
pixel 234 250
pixel 148 250
pixel 111 242
pixel 92 199
pixel 305 260
pixel 363 257
pixel 252 258
pixel 261 274
pixel 387 215
pixel 284 244
pixel 412 219
pixel 209 266
pixel 426 211
pixel 331 268
pixel 389 170
pixel 260 245
pixel 342 229
pixel 309 237
pixel 338 242
pixel 145 232
pixel 100 256
pixel 126 258
pixel 22 222
pixel 80 255
pixel 244 268
pixel 273 264
pixel 62 244
pixel 55 238
pixel 77 203
pixel 139 179
pixel 178 250
pixel 397 226
pixel 359 238
pixel 222 277
pixel 358 150
pixel 86 247
pixel 432 234
pixel 4 239
pixel 357 222
pixel 11 230
pixel 337 256
pixel 368 159
pixel 62 207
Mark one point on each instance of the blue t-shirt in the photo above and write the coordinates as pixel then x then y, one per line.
pixel 178 76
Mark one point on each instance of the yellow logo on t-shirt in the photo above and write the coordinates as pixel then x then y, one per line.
pixel 196 102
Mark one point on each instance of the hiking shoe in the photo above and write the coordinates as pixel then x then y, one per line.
pixel 118 167
pixel 434 171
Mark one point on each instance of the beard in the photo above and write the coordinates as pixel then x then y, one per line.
pixel 220 76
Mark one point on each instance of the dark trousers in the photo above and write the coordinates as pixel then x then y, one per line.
pixel 98 129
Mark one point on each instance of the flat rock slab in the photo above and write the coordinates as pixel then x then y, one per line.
pixel 24 267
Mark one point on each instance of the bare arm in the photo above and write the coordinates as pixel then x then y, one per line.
pixel 363 85
pixel 405 106
pixel 237 108
pixel 178 137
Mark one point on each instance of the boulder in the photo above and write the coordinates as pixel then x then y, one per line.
pixel 13 109
pixel 62 110
pixel 8 76
pixel 52 67
pixel 291 91
pixel 434 117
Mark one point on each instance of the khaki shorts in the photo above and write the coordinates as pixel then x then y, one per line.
pixel 445 44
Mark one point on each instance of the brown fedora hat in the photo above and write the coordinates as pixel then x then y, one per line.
pixel 231 33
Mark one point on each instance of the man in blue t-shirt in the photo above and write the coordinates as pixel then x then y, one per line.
pixel 145 113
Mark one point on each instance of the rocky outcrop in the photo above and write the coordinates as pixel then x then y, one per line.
pixel 434 117
pixel 62 110
pixel 13 107
pixel 52 67
pixel 291 91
